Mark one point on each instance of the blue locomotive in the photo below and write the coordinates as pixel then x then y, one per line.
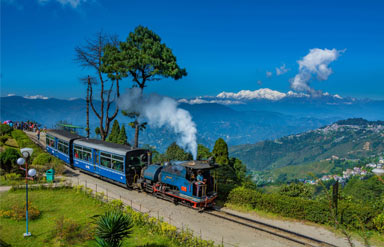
pixel 186 182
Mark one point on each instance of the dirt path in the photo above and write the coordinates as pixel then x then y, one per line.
pixel 207 226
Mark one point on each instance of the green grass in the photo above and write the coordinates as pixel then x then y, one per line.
pixel 61 202
pixel 11 143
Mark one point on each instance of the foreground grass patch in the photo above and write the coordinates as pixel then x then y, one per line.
pixel 53 204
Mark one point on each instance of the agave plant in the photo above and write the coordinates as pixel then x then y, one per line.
pixel 112 228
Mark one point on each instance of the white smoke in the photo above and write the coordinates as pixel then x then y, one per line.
pixel 161 111
pixel 315 63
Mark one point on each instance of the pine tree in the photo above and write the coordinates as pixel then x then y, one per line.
pixel 220 152
pixel 114 135
pixel 122 139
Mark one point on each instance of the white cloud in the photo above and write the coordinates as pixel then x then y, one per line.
pixel 315 63
pixel 11 94
pixel 73 3
pixel 35 97
pixel 281 70
pixel 241 97
pixel 297 95
pixel 263 93
pixel 337 96
pixel 268 74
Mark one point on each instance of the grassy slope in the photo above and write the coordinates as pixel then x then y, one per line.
pixel 56 203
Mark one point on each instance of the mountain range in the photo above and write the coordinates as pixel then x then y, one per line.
pixel 254 120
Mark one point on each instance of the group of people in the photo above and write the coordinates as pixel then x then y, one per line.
pixel 28 126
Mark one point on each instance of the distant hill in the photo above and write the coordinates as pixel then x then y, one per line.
pixel 351 138
pixel 212 120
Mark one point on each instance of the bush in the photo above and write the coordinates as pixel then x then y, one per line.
pixel 17 212
pixel 379 222
pixel 3 139
pixel 352 215
pixel 68 232
pixel 8 160
pixel 5 129
pixel 42 159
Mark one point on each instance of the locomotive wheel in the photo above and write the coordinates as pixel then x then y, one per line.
pixel 175 201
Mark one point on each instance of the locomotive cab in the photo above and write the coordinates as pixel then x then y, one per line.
pixel 188 182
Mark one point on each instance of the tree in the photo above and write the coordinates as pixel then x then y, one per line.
pixel 145 58
pixel 122 139
pixel 135 124
pixel 114 135
pixel 112 228
pixel 91 55
pixel 220 152
pixel 174 152
pixel 203 152
pixel 240 169
pixel 88 81
pixel 8 160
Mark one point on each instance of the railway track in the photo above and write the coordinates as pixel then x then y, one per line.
pixel 295 237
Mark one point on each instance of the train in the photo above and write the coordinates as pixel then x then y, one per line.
pixel 190 183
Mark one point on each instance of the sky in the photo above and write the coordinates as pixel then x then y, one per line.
pixel 332 46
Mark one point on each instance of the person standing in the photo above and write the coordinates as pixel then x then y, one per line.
pixel 38 134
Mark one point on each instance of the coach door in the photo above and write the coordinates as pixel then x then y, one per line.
pixel 96 160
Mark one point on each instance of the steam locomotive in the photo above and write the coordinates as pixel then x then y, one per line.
pixel 190 183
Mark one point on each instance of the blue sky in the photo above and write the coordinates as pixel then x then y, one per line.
pixel 224 45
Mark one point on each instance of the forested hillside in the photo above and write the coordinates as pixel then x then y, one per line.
pixel 352 138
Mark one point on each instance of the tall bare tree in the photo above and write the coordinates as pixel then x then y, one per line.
pixel 90 55
pixel 88 81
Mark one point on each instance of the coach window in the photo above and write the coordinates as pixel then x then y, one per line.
pixel 78 152
pixel 87 154
pixel 62 146
pixel 117 162
pixel 50 141
pixel 105 159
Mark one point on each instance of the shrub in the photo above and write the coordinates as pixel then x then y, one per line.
pixel 3 139
pixel 18 212
pixel 42 159
pixel 351 215
pixel 112 228
pixel 8 160
pixel 68 232
pixel 379 222
pixel 11 176
pixel 5 129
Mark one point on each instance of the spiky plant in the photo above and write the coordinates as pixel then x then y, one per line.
pixel 112 228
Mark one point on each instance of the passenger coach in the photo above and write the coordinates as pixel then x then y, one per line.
pixel 114 162
pixel 59 143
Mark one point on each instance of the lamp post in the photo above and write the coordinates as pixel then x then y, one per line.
pixel 29 174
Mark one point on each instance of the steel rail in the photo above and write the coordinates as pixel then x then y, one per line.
pixel 270 229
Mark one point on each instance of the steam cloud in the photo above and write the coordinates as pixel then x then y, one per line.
pixel 162 111
pixel 315 63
